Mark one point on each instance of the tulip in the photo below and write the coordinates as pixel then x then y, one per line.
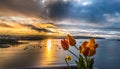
pixel 65 44
pixel 88 48
pixel 92 43
pixel 84 44
pixel 68 58
pixel 91 52
pixel 71 40
pixel 85 51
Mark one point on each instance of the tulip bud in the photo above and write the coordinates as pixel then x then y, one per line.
pixel 71 40
pixel 65 44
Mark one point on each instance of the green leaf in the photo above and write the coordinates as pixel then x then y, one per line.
pixel 81 58
pixel 92 61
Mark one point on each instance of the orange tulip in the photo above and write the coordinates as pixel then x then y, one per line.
pixel 84 44
pixel 92 43
pixel 71 40
pixel 85 51
pixel 65 44
pixel 91 52
pixel 81 48
pixel 88 48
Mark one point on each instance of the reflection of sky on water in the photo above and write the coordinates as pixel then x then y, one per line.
pixel 48 52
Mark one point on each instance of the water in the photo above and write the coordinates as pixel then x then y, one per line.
pixel 48 52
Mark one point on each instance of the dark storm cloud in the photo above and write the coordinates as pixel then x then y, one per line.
pixel 59 9
pixel 100 15
pixel 26 7
pixel 90 13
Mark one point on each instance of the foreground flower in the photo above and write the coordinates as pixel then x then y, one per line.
pixel 88 48
pixel 71 40
pixel 92 43
pixel 64 44
pixel 68 58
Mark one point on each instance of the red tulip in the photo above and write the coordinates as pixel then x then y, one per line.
pixel 64 44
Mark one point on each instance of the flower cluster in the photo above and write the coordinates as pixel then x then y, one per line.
pixel 69 41
pixel 86 50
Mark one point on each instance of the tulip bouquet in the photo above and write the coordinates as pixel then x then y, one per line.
pixel 87 49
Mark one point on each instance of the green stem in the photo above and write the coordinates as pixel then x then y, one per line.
pixel 73 54
pixel 76 47
pixel 86 62
pixel 67 63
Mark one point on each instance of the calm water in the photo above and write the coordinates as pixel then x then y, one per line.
pixel 49 52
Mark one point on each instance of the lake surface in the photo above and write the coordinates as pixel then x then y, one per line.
pixel 48 52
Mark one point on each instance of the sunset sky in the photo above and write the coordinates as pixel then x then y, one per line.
pixel 79 17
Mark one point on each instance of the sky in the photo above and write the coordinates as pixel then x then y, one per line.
pixel 78 17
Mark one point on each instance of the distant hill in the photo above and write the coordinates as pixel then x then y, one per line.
pixel 76 37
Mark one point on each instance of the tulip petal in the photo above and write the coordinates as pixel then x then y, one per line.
pixel 71 40
pixel 91 52
pixel 84 44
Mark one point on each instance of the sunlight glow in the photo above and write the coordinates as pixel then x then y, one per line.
pixel 65 0
pixel 49 33
pixel 86 3
pixel 43 1
pixel 49 44
pixel 83 2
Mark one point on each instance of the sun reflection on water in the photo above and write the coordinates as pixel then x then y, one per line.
pixel 49 44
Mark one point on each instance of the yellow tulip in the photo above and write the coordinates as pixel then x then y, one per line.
pixel 71 40
pixel 68 58
pixel 64 44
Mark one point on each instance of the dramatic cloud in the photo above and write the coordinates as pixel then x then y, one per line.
pixel 95 16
